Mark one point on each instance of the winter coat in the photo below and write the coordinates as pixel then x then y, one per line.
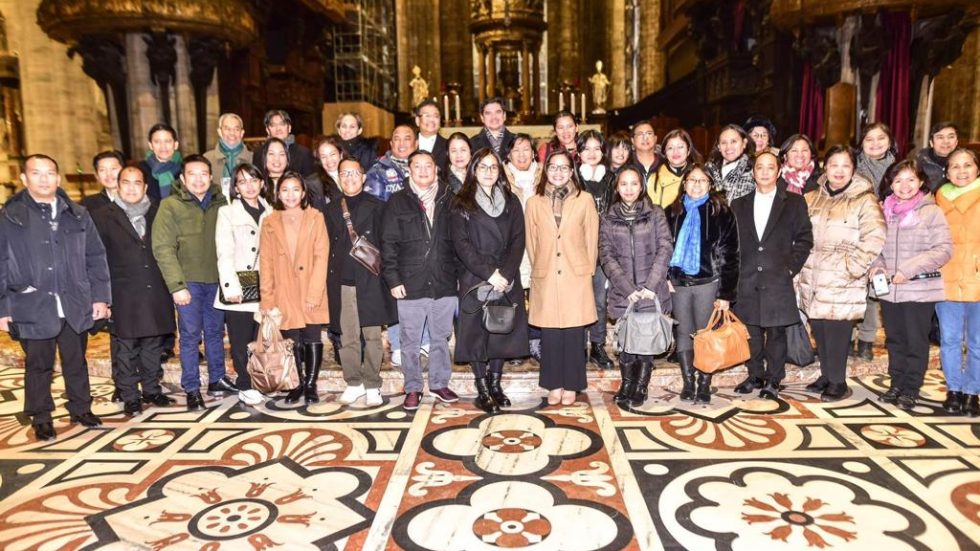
pixel 363 149
pixel 922 248
pixel 635 256
pixel 848 235
pixel 601 190
pixel 480 140
pixel 416 254
pixel 321 189
pixel 961 274
pixel 484 244
pixel 236 241
pixel 290 281
pixel 141 306
pixel 386 177
pixel 739 180
pixel 300 159
pixel 183 237
pixel 440 153
pixel 375 305
pixel 768 263
pixel 719 249
pixel 664 186
pixel 94 202
pixel 217 159
pixel 563 260
pixel 37 261
pixel 934 166
pixel 811 183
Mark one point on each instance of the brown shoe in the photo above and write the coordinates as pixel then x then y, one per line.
pixel 412 401
pixel 444 395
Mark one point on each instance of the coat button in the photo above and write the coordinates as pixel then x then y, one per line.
pixel 146 266
pixel 227 284
pixel 248 267
pixel 559 272
pixel 559 254
pixel 761 249
pixel 50 268
pixel 759 269
pixel 253 249
pixel 149 286
pixel 253 232
pixel 300 267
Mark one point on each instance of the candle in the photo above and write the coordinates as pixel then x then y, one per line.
pixel 572 102
pixel 445 107
pixel 583 107
pixel 561 101
pixel 459 113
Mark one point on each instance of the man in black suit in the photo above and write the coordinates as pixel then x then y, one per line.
pixel 494 134
pixel 428 119
pixel 107 165
pixel 279 125
pixel 775 237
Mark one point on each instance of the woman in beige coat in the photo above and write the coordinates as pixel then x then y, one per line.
pixel 562 239
pixel 848 235
pixel 293 255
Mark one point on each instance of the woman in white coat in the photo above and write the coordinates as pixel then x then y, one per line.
pixel 236 238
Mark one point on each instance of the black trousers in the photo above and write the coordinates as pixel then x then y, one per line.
pixel 138 363
pixel 242 330
pixel 907 326
pixel 39 370
pixel 563 358
pixel 480 369
pixel 768 345
pixel 833 341
pixel 309 334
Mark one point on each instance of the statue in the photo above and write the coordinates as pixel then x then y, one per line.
pixel 420 88
pixel 600 86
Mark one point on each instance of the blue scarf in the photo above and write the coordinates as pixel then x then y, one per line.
pixel 687 249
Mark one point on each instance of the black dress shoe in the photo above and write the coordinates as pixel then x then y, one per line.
pixel 221 387
pixel 889 397
pixel 906 402
pixel 116 396
pixel 972 407
pixel 819 385
pixel 865 351
pixel 87 419
pixel 770 392
pixel 194 401
pixel 44 431
pixel 953 404
pixel 750 384
pixel 834 392
pixel 134 407
pixel 166 355
pixel 160 399
pixel 598 356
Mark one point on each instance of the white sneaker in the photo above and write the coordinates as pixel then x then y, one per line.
pixel 351 394
pixel 424 350
pixel 396 358
pixel 374 398
pixel 250 397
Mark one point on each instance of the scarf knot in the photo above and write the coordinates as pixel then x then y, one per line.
pixel 165 172
pixel 687 250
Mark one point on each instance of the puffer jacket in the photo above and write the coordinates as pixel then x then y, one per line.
pixel 961 274
pixel 183 237
pixel 921 248
pixel 635 255
pixel 848 235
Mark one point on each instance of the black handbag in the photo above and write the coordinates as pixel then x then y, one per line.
pixel 249 281
pixel 362 250
pixel 799 349
pixel 499 315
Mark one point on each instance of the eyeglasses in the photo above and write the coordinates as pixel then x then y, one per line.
pixel 349 173
pixel 759 135
pixel 560 168
pixel 647 134
pixel 699 181
pixel 484 169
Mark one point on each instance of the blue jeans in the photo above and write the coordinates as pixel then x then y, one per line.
pixel 394 336
pixel 597 331
pixel 956 321
pixel 194 319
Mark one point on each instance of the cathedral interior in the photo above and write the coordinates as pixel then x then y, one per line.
pixel 82 76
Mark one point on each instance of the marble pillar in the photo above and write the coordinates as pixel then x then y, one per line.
pixel 652 59
pixel 956 96
pixel 183 102
pixel 618 44
pixel 144 108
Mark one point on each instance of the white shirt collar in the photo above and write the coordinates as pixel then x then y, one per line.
pixel 427 144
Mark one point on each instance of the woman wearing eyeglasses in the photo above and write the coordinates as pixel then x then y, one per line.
pixel 488 235
pixel 562 238
pixel 236 238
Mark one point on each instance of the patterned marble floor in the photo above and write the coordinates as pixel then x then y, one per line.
pixel 738 474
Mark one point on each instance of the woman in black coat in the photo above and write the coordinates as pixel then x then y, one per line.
pixel 142 307
pixel 487 224
pixel 359 301
pixel 703 267
pixel 767 264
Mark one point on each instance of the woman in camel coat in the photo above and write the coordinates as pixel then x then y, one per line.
pixel 562 242
pixel 293 276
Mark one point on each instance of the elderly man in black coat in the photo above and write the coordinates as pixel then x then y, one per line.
pixel 54 285
pixel 775 237
pixel 143 310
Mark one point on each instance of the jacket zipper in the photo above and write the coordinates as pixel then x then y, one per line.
pixel 897 229
pixel 633 251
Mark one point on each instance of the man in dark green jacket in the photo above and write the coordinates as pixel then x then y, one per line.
pixel 183 245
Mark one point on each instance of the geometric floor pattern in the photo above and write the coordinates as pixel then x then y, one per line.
pixel 741 474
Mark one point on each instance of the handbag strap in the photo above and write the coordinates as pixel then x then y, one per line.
pixel 350 226
pixel 466 294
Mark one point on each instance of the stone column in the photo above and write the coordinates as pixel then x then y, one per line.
pixel 482 75
pixel 526 106
pixel 618 42
pixel 144 111
pixel 491 71
pixel 652 61
pixel 183 102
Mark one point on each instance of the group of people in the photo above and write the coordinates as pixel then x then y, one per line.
pixel 566 235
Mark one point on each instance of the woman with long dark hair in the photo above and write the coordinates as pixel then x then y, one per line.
pixel 566 136
pixel 276 163
pixel 324 184
pixel 487 224
pixel 664 185
pixel 799 171
pixel 730 163
pixel 460 152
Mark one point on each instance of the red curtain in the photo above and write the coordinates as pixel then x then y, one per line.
pixel 811 105
pixel 894 82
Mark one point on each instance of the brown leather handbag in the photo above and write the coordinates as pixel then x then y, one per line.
pixel 362 250
pixel 271 361
pixel 723 343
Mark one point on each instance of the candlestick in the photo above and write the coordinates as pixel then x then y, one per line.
pixel 445 108
pixel 583 108
pixel 459 114
pixel 561 101
pixel 572 102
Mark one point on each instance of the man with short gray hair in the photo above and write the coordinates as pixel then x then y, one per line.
pixel 229 152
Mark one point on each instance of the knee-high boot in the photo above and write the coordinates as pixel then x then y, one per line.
pixel 295 394
pixel 642 382
pixel 313 354
pixel 686 360
pixel 627 371
pixel 704 388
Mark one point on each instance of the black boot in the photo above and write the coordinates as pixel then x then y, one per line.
pixel 852 349
pixel 686 361
pixel 598 356
pixel 313 356
pixel 971 406
pixel 493 379
pixel 954 403
pixel 295 394
pixel 484 399
pixel 865 351
pixel 644 372
pixel 627 371
pixel 704 389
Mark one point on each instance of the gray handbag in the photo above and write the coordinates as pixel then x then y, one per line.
pixel 644 333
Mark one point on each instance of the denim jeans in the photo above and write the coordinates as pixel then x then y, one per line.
pixel 597 331
pixel 198 318
pixel 959 321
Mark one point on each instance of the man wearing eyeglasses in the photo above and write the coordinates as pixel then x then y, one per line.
pixel 645 154
pixel 229 152
pixel 428 120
